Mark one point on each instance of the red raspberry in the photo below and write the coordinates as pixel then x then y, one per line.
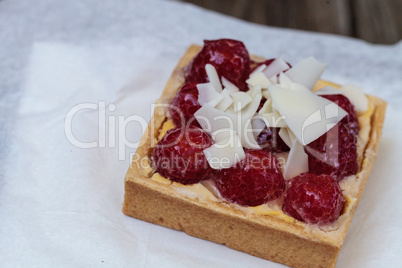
pixel 313 199
pixel 229 57
pixel 351 118
pixel 253 181
pixel 185 104
pixel 179 155
pixel 335 152
pixel 270 140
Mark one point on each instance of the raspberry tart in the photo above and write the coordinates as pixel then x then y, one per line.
pixel 259 155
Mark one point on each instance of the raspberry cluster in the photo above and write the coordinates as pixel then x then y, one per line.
pixel 314 197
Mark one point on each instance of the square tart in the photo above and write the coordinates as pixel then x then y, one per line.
pixel 262 232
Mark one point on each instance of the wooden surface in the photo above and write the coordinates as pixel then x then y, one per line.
pixel 376 21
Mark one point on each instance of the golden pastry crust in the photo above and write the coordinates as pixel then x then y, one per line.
pixel 267 236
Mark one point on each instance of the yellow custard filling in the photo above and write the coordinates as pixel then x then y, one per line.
pixel 165 127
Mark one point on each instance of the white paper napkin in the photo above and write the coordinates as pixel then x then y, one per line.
pixel 102 66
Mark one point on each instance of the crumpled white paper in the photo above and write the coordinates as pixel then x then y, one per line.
pixel 84 74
